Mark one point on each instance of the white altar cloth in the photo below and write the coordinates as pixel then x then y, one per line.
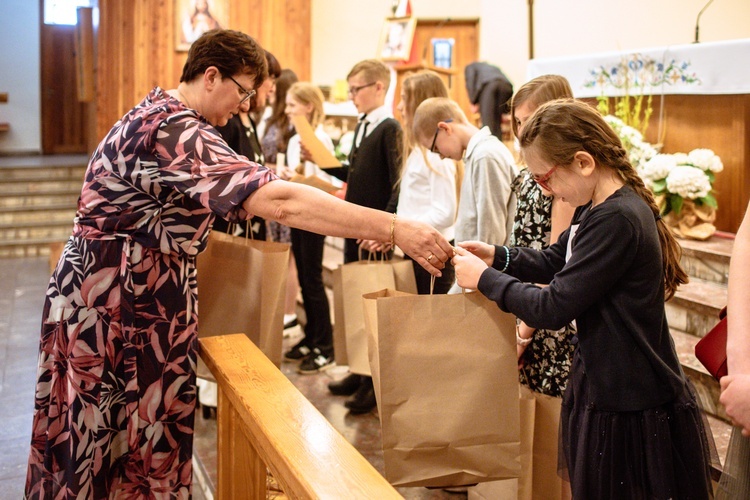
pixel 700 68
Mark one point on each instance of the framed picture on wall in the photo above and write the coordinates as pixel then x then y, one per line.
pixel 195 17
pixel 396 38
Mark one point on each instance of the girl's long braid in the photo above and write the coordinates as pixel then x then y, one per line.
pixel 674 275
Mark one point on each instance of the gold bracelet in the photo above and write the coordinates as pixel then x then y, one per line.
pixel 520 340
pixel 393 228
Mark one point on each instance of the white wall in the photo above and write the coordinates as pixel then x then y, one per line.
pixel 591 26
pixel 20 76
pixel 346 31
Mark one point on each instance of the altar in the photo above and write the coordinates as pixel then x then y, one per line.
pixel 701 99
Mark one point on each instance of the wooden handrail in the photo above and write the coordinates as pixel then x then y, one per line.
pixel 264 421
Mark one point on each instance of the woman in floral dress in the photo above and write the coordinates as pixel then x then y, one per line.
pixel 115 395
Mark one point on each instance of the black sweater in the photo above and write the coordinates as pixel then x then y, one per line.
pixel 613 286
pixel 374 168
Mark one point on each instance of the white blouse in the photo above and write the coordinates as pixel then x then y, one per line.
pixel 429 194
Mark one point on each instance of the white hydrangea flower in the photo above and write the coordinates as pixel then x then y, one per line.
pixel 705 159
pixel 681 158
pixel 658 167
pixel 688 182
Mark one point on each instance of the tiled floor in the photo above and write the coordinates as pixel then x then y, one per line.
pixel 24 282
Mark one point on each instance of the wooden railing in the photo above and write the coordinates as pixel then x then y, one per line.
pixel 265 422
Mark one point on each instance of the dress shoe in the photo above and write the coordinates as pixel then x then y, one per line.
pixel 363 400
pixel 346 386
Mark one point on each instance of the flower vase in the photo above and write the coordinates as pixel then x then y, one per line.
pixel 694 222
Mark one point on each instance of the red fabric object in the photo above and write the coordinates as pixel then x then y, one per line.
pixel 711 350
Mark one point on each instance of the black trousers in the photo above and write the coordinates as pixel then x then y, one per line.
pixel 494 100
pixel 307 248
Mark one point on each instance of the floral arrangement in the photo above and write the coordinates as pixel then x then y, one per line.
pixel 675 178
pixel 639 151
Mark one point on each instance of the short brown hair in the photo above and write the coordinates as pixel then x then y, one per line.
pixel 373 71
pixel 232 52
pixel 537 91
pixel 433 111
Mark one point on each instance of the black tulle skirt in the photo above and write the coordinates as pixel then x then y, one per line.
pixel 658 453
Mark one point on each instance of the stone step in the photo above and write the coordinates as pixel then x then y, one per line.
pixel 38 247
pixel 706 386
pixel 38 199
pixel 696 305
pixel 39 186
pixel 708 260
pixel 36 230
pixel 22 215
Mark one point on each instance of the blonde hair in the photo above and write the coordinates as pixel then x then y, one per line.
pixel 417 87
pixel 307 93
pixel 536 92
pixel 433 111
pixel 559 129
pixel 372 70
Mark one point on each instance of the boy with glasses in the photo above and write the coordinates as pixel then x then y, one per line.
pixel 371 175
pixel 487 204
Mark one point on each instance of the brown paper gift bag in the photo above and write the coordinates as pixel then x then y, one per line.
pixel 241 288
pixel 520 487
pixel 446 383
pixel 547 483
pixel 350 282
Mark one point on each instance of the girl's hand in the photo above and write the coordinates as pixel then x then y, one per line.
pixel 735 396
pixel 304 153
pixel 373 246
pixel 285 173
pixel 469 268
pixel 482 250
pixel 525 332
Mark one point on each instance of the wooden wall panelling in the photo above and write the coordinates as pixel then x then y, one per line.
pixel 64 118
pixel 136 47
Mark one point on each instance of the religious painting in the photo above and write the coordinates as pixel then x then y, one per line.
pixel 396 38
pixel 195 17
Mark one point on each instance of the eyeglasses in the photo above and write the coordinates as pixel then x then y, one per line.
pixel 542 181
pixel 248 93
pixel 355 90
pixel 434 138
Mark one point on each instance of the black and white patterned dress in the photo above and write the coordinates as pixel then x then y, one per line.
pixel 546 360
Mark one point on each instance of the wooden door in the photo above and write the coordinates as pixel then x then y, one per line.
pixel 64 118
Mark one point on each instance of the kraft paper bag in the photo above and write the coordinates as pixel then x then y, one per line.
pixel 241 289
pixel 547 483
pixel 445 373
pixel 521 487
pixel 350 282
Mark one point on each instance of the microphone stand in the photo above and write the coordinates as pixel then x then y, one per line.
pixel 697 20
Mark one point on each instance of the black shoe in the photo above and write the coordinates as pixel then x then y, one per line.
pixel 315 362
pixel 363 400
pixel 298 352
pixel 346 386
pixel 291 322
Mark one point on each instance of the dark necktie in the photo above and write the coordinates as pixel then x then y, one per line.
pixel 359 136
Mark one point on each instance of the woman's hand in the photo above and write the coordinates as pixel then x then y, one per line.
pixel 735 396
pixel 482 250
pixel 468 267
pixel 423 243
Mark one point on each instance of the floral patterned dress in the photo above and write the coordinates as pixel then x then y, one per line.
pixel 546 360
pixel 115 394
